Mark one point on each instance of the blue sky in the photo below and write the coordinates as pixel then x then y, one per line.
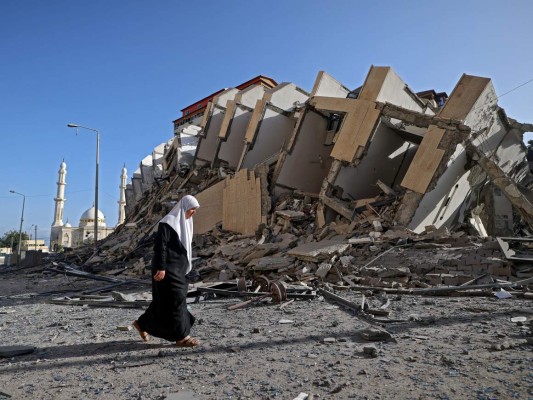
pixel 127 67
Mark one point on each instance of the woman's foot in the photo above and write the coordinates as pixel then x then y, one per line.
pixel 143 334
pixel 188 342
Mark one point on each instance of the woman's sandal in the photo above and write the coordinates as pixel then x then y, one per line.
pixel 143 334
pixel 188 342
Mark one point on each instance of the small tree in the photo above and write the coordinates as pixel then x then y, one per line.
pixel 530 145
pixel 5 241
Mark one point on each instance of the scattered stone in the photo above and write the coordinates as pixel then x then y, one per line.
pixel 371 350
pixel 330 340
pixel 318 251
pixel 338 388
pixel 124 328
pixel 323 270
pixel 519 320
pixel 117 296
pixel 286 321
pixel 374 334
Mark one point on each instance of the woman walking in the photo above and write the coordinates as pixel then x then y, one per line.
pixel 167 316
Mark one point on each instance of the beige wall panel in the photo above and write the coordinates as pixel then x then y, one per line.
pixel 425 162
pixel 254 121
pixel 207 114
pixel 210 212
pixel 463 97
pixel 359 123
pixel 228 116
pixel 242 203
pixel 373 83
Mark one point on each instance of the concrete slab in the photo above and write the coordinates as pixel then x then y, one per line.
pixel 318 251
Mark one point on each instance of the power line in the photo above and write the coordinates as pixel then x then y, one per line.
pixel 519 86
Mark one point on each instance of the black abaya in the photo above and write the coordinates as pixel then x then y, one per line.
pixel 167 316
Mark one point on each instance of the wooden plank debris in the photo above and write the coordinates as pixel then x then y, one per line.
pixel 242 203
pixel 210 212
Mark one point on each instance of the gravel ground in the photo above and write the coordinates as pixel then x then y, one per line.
pixel 448 348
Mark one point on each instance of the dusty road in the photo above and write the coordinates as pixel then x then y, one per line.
pixel 448 348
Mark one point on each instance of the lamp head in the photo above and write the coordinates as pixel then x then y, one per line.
pixel 73 126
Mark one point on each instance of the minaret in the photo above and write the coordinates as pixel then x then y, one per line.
pixel 122 201
pixel 60 198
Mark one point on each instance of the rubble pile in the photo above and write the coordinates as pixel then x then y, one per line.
pixel 377 187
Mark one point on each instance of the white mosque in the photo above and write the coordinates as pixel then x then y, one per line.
pixel 66 235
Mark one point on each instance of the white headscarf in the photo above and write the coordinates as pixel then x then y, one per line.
pixel 183 226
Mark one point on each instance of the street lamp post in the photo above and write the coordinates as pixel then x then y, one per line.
pixel 96 179
pixel 35 236
pixel 20 229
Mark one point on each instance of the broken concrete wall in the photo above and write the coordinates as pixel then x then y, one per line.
pixel 497 211
pixel 170 158
pixel 189 137
pixel 157 160
pixel 370 146
pixel 130 199
pixel 387 160
pixel 305 163
pixel 305 159
pixel 147 172
pixel 328 86
pixel 136 182
pixel 473 101
pixel 382 84
pixel 211 124
pixel 272 123
pixel 233 130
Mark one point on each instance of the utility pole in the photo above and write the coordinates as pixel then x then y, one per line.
pixel 20 230
pixel 35 237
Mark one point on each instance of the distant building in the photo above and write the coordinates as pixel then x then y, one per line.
pixel 32 244
pixel 66 235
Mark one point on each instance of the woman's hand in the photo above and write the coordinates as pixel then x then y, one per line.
pixel 159 276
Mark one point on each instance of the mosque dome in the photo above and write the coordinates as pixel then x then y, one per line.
pixel 63 165
pixel 87 218
pixel 67 225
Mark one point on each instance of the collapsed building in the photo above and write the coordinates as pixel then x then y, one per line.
pixel 273 163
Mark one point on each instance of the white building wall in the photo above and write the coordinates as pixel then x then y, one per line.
pixel 386 160
pixel 328 86
pixel 445 203
pixel 230 150
pixel 274 131
pixel 207 145
pixel 308 164
pixel 287 95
